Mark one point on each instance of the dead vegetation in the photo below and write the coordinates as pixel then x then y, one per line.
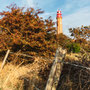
pixel 74 78
pixel 27 77
pixel 34 75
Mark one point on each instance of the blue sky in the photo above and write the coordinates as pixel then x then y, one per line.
pixel 75 12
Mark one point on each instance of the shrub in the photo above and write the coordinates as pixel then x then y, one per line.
pixel 23 29
pixel 73 47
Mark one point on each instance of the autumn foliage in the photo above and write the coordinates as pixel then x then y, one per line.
pixel 23 29
pixel 80 34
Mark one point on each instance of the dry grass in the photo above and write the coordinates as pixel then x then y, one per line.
pixel 9 76
pixel 34 75
pixel 72 56
pixel 13 77
pixel 78 56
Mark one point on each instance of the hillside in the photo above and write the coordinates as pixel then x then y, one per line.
pixel 35 75
pixel 33 45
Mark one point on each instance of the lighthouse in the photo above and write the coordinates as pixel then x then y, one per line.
pixel 59 22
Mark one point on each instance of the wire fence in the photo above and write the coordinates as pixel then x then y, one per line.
pixel 72 65
pixel 65 62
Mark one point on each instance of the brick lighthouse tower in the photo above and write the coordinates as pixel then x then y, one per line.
pixel 59 22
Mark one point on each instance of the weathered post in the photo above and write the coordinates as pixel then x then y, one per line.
pixel 52 72
pixel 59 67
pixel 55 70
pixel 5 58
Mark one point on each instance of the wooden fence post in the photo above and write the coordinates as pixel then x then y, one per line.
pixel 5 58
pixel 59 67
pixel 55 70
pixel 52 72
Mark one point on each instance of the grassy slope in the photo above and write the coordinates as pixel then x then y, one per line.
pixel 14 77
pixel 35 75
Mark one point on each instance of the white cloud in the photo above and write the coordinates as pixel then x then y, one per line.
pixel 28 3
pixel 76 19
pixel 75 4
pixel 38 3
pixel 78 2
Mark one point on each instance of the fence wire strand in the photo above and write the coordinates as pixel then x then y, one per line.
pixel 76 65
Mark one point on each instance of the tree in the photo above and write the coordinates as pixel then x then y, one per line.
pixel 80 34
pixel 23 29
